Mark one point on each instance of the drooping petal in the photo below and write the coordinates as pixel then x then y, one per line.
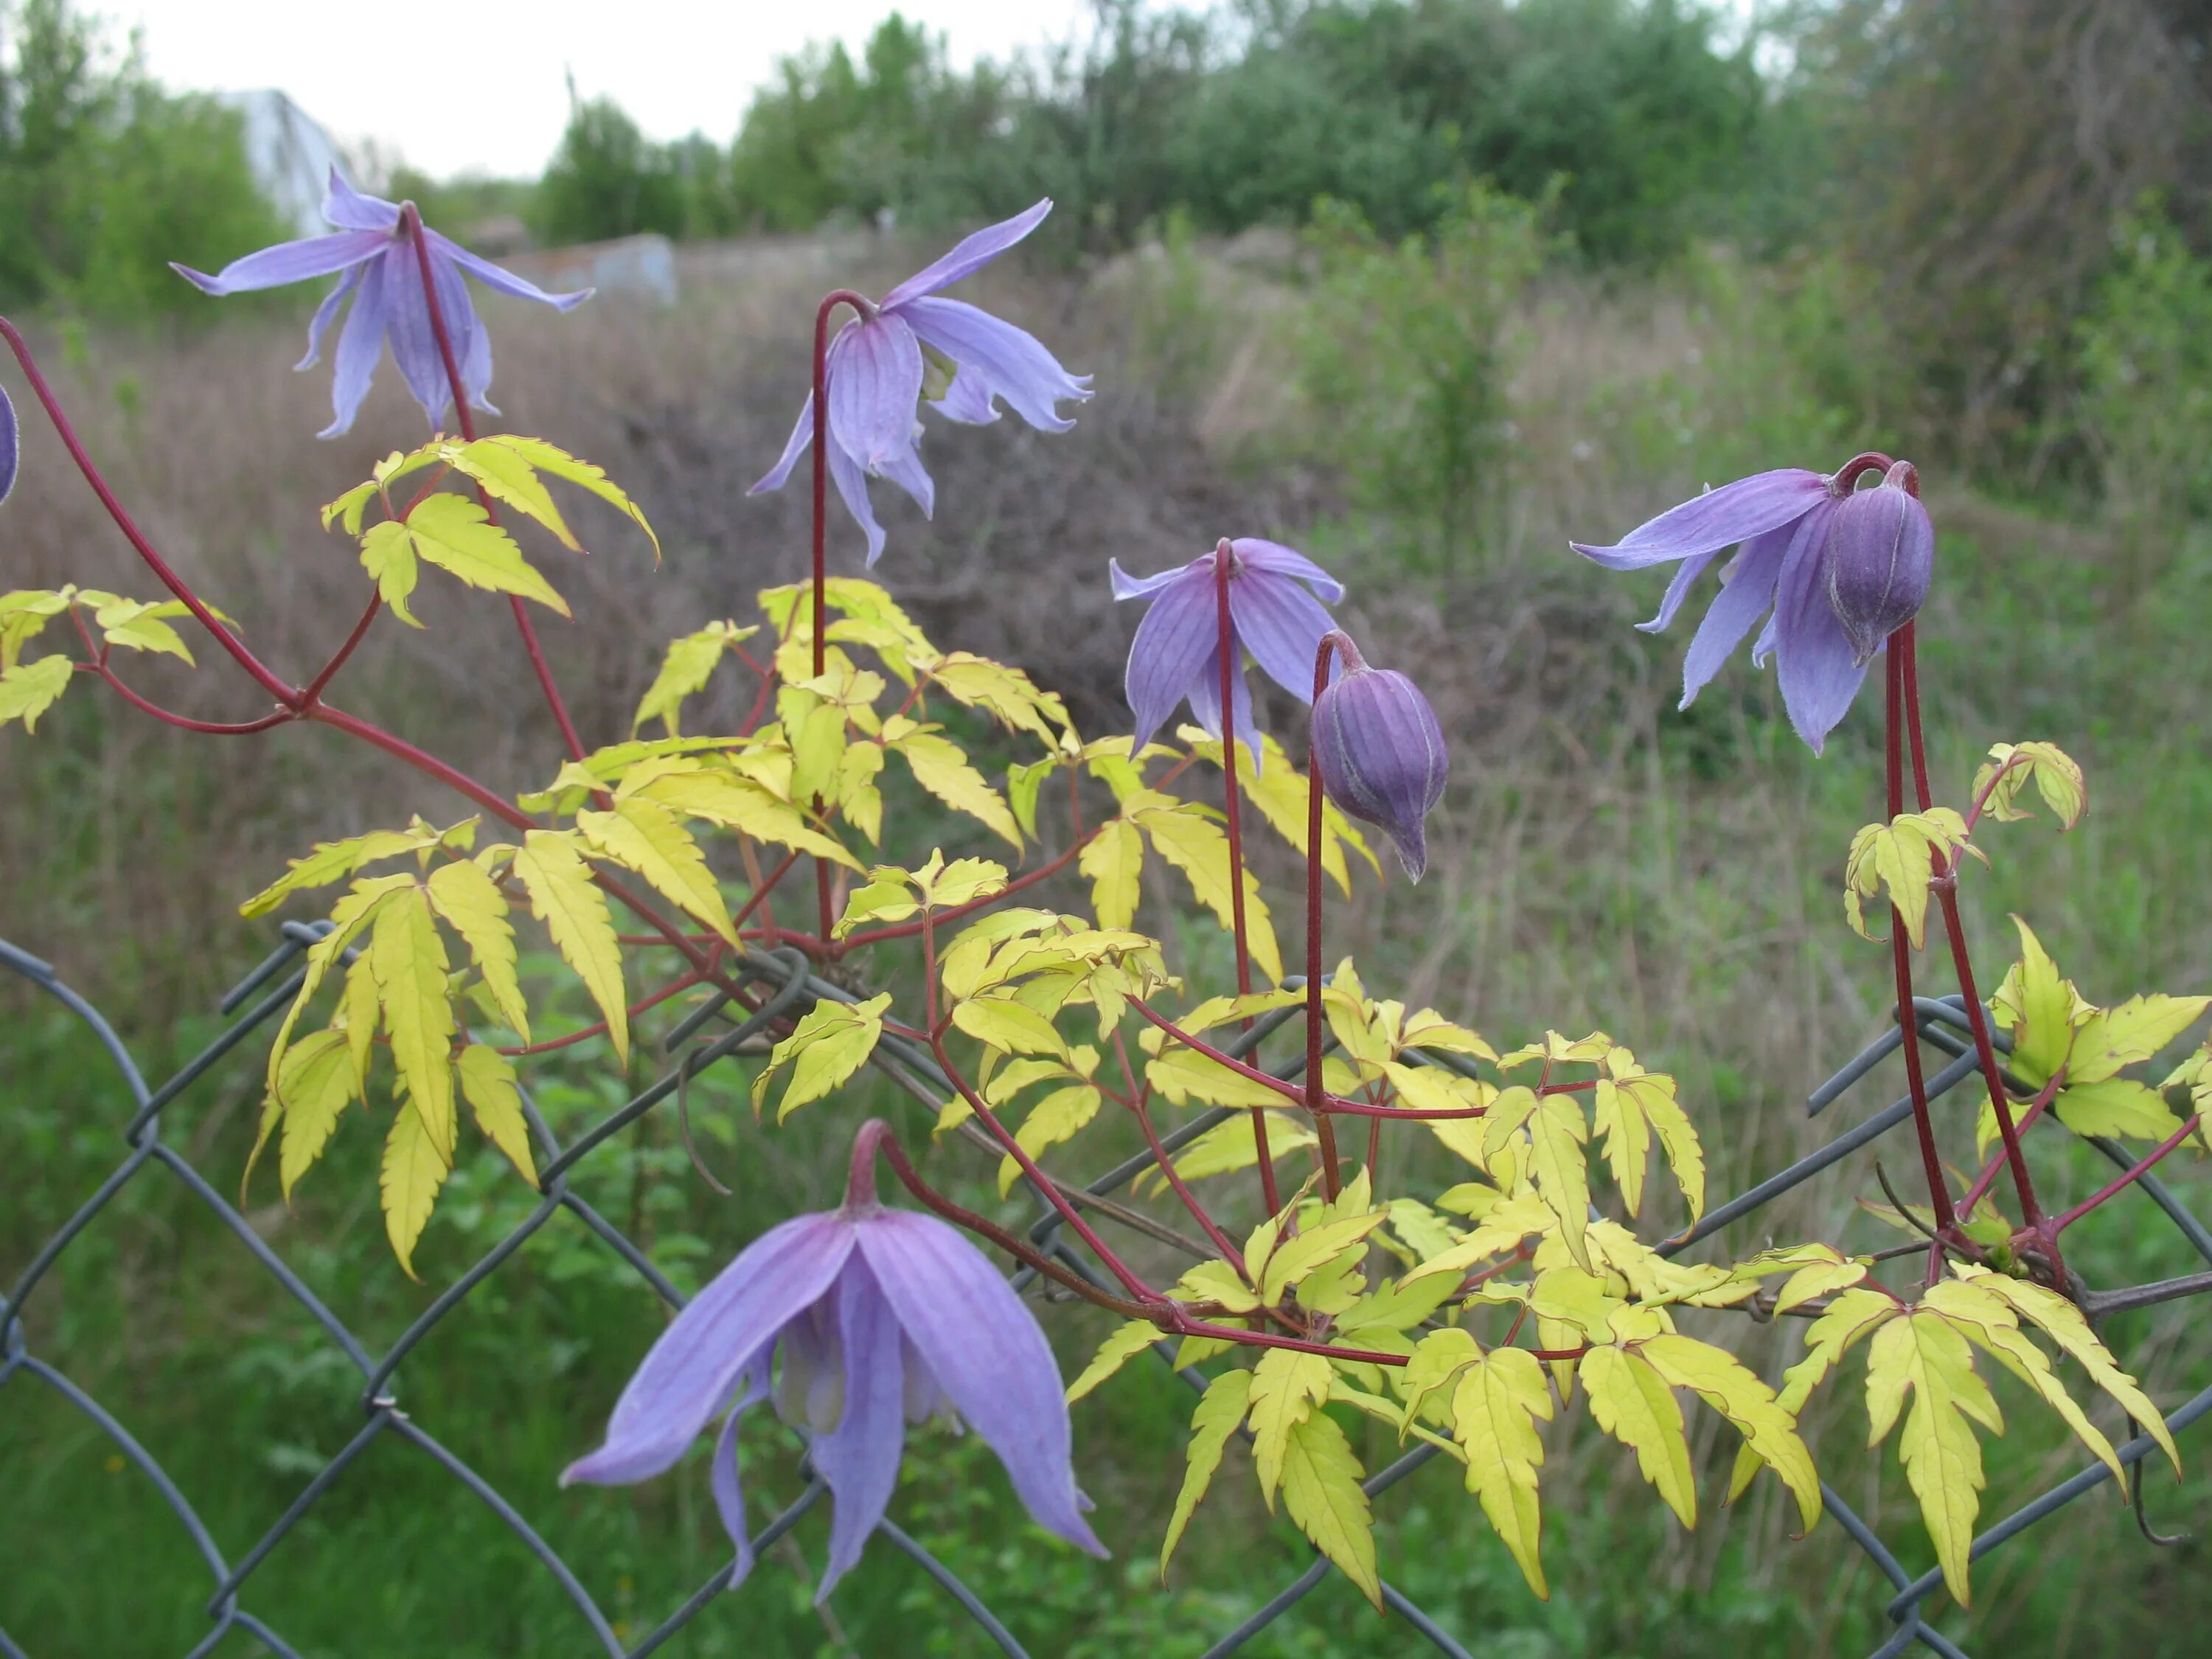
pixel 1205 703
pixel 1277 560
pixel 986 1350
pixel 860 1458
pixel 1819 670
pixel 10 444
pixel 1747 594
pixel 925 1395
pixel 875 382
pixel 326 314
pixel 1685 573
pixel 690 1371
pixel 722 1476
pixel 361 342
pixel 500 278
pixel 904 467
pixel 1176 640
pixel 1012 364
pixel 853 488
pixel 1718 519
pixel 1126 587
pixel 1281 624
pixel 973 253
pixel 288 262
pixel 347 209
pixel 470 339
pixel 801 436
pixel 968 399
pixel 407 328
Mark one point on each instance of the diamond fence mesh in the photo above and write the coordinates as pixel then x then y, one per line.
pixel 781 988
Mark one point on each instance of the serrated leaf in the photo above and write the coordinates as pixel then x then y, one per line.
pixel 688 664
pixel 646 837
pixel 412 1174
pixel 1006 692
pixel 1220 1410
pixel 1060 1116
pixel 470 903
pixel 458 536
pixel 2112 1106
pixel 138 627
pixel 1292 1260
pixel 1631 1402
pixel 546 458
pixel 829 1043
pixel 940 767
pixel 1730 1389
pixel 27 691
pixel 1279 790
pixel 387 553
pixel 1192 843
pixel 739 804
pixel 409 960
pixel 1023 784
pixel 563 896
pixel 1851 1316
pixel 487 1084
pixel 1561 1173
pixel 1496 1405
pixel 1924 1353
pixel 1114 859
pixel 1322 1496
pixel 358 1014
pixel 354 912
pixel 316 1083
pixel 1229 1146
pixel 1900 856
pixel 2058 779
pixel 1287 1388
pixel 1183 1075
pixel 1124 1344
pixel 2039 1008
pixel 2113 1038
pixel 334 861
pixel 1010 1027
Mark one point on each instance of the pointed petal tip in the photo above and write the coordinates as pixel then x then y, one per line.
pixel 199 279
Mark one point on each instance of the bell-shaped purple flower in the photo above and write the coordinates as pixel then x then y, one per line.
pixel 1778 522
pixel 10 444
pixel 1380 752
pixel 1177 653
pixel 879 1318
pixel 1881 556
pixel 378 271
pixel 913 346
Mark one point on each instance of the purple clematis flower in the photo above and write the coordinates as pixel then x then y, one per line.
pixel 1380 753
pixel 1780 522
pixel 384 282
pixel 1881 556
pixel 10 444
pixel 1177 653
pixel 882 1317
pixel 913 346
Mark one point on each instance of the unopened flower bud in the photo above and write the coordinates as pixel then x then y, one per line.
pixel 1881 554
pixel 1380 752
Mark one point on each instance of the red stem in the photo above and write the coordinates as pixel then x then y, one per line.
pixel 1989 1174
pixel 2061 1223
pixel 1939 1190
pixel 269 682
pixel 313 694
pixel 598 1028
pixel 410 225
pixel 184 722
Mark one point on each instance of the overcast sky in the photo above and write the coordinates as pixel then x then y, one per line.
pixel 483 88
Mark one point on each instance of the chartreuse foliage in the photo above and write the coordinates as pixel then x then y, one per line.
pixel 28 690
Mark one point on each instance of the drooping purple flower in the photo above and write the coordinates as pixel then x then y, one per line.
pixel 880 1318
pixel 1380 752
pixel 10 444
pixel 915 346
pixel 377 270
pixel 1177 653
pixel 1881 556
pixel 1779 523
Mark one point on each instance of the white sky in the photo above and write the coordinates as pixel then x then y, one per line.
pixel 480 87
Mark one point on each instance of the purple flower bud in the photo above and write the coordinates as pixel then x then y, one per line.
pixel 1380 752
pixel 1882 553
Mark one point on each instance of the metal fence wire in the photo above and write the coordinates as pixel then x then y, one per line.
pixel 787 989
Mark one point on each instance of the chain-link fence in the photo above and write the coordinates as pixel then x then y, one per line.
pixel 778 987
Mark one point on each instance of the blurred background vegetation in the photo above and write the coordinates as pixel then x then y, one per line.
pixel 1422 286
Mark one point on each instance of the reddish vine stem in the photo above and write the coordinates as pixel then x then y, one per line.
pixel 1947 896
pixel 263 676
pixel 1900 948
pixel 598 1028
pixel 1987 1179
pixel 410 223
pixel 2113 1187
pixel 316 686
pixel 830 301
pixel 184 722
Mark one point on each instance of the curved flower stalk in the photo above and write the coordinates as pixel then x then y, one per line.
pixel 1781 523
pixel 377 261
pixel 881 1318
pixel 915 346
pixel 1273 613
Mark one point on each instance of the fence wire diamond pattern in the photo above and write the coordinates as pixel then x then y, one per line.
pixel 787 989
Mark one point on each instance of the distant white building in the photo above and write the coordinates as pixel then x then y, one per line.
pixel 290 156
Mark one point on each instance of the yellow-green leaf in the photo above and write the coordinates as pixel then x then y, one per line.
pixel 574 912
pixel 1496 1405
pixel 645 837
pixel 939 767
pixel 1900 855
pixel 1322 1496
pixel 455 534
pixel 1190 842
pixel 352 913
pixel 1006 692
pixel 2112 1106
pixel 1114 859
pixel 1126 1341
pixel 2113 1038
pixel 1010 1027
pixel 1220 1409
pixel 27 691
pixel 1287 1388
pixel 1058 1116
pixel 334 861
pixel 1924 1353
pixel 409 960
pixel 1632 1402
pixel 387 553
pixel 471 904
pixel 545 458
pixel 689 663
pixel 1725 1384
pixel 413 1172
pixel 739 804
pixel 830 1042
pixel 1182 1075
pixel 316 1083
pixel 2057 778
pixel 487 1084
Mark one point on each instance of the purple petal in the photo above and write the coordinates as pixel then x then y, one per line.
pixel 1763 647
pixel 1747 594
pixel 289 262
pixel 860 1458
pixel 10 444
pixel 361 342
pixel 689 1373
pixel 968 399
pixel 465 330
pixel 722 1477
pixel 347 209
pixel 407 329
pixel 875 382
pixel 1677 589
pixel 1175 641
pixel 502 280
pixel 1205 703
pixel 325 313
pixel 1010 362
pixel 1718 519
pixel 1820 672
pixel 1281 625
pixel 1126 587
pixel 801 436
pixel 905 470
pixel 985 1349
pixel 853 488
pixel 1279 561
pixel 971 256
